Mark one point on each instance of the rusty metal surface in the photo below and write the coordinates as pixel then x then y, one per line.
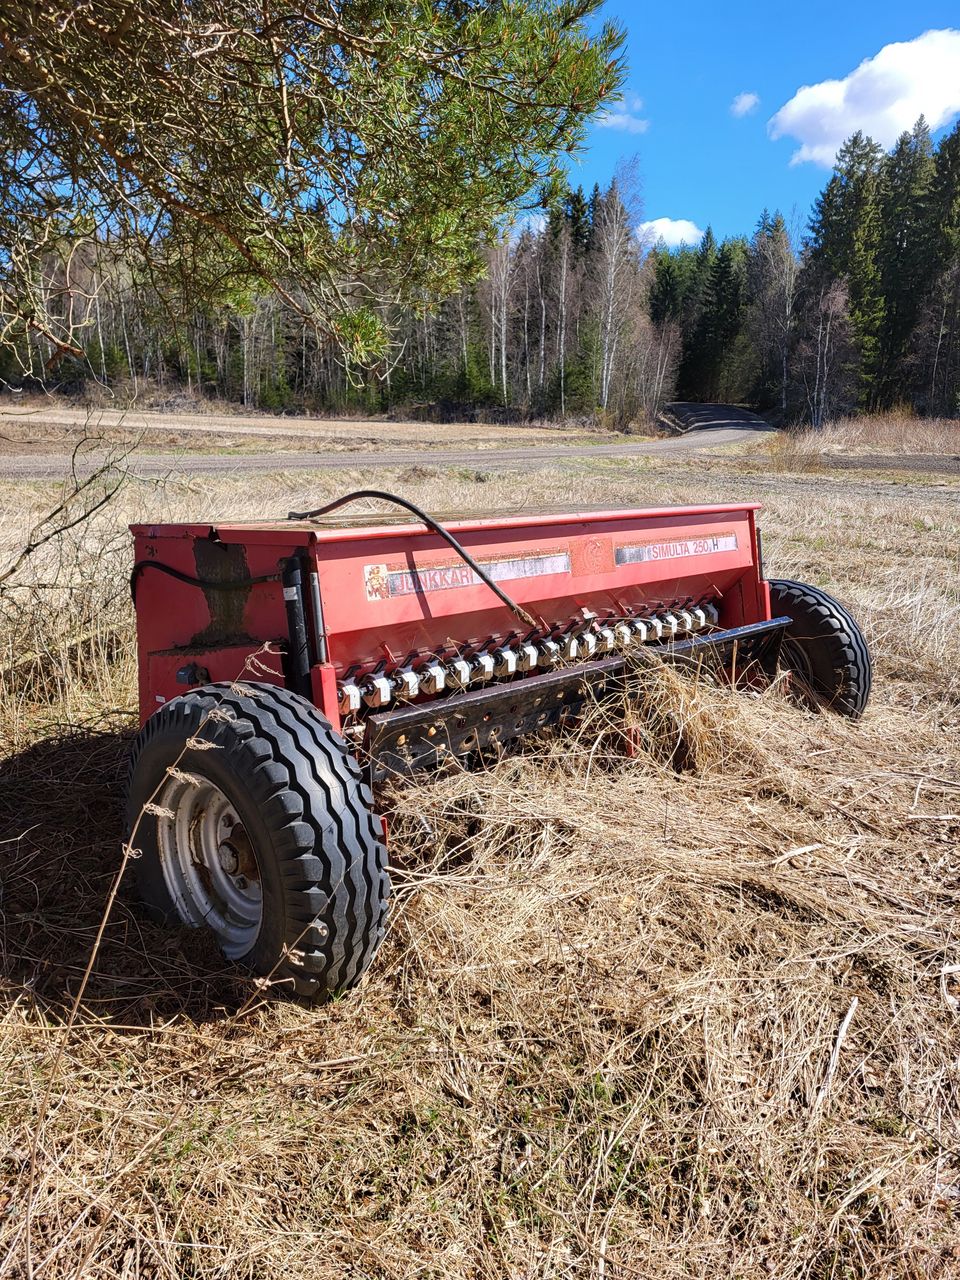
pixel 482 721
pixel 423 736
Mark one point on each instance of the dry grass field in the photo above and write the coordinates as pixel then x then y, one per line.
pixel 891 435
pixel 631 1019
pixel 44 425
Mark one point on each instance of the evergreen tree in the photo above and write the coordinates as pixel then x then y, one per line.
pixel 593 214
pixel 706 256
pixel 721 319
pixel 944 202
pixel 666 289
pixel 578 220
pixel 939 341
pixel 695 363
pixel 845 245
pixel 906 255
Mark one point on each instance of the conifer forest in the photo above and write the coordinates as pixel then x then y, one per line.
pixel 853 307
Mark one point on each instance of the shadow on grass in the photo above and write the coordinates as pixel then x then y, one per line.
pixel 61 832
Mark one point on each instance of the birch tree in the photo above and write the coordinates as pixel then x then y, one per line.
pixel 773 269
pixel 824 353
pixel 615 273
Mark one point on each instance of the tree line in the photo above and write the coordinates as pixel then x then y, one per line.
pixel 863 314
pixel 574 316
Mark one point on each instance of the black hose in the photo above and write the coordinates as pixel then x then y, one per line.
pixel 431 524
pixel 232 584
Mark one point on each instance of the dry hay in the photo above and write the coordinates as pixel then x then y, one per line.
pixel 893 434
pixel 687 1013
pixel 603 1035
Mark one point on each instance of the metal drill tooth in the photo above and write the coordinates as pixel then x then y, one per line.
pixel 699 617
pixel 686 619
pixel 527 657
pixel 482 666
pixel 569 648
pixel 670 623
pixel 376 691
pixel 656 628
pixel 459 673
pixel 549 653
pixel 639 629
pixel 712 616
pixel 350 698
pixel 406 683
pixel 504 662
pixel 606 639
pixel 432 678
pixel 623 635
pixel 588 644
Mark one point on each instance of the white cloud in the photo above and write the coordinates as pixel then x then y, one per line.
pixel 627 120
pixel 744 103
pixel 674 232
pixel 535 223
pixel 884 96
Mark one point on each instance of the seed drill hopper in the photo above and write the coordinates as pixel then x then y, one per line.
pixel 288 669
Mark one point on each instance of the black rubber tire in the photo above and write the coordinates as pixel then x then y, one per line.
pixel 824 648
pixel 298 791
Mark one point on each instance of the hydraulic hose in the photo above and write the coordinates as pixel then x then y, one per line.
pixel 231 584
pixel 429 521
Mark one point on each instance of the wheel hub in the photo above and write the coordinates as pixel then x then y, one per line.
pixel 208 863
pixel 229 861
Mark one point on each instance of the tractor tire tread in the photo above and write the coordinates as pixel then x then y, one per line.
pixel 832 627
pixel 329 846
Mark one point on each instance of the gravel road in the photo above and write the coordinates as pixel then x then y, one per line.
pixel 710 426
pixel 370 445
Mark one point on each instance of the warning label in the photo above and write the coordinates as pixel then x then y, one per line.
pixel 677 548
pixel 384 583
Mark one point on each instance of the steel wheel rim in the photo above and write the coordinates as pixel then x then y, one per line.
pixel 208 863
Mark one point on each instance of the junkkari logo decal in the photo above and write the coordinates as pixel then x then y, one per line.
pixel 384 583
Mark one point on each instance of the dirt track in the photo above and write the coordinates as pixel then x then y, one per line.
pixel 46 436
pixel 43 419
pixel 923 462
pixel 374 443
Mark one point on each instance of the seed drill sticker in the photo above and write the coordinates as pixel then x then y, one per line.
pixel 383 583
pixel 677 548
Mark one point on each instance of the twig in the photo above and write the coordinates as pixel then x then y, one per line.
pixel 37 538
pixel 835 1055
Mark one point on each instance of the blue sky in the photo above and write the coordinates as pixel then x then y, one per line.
pixel 702 163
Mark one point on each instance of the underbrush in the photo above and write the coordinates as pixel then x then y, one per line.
pixel 804 449
pixel 687 1009
pixel 893 432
